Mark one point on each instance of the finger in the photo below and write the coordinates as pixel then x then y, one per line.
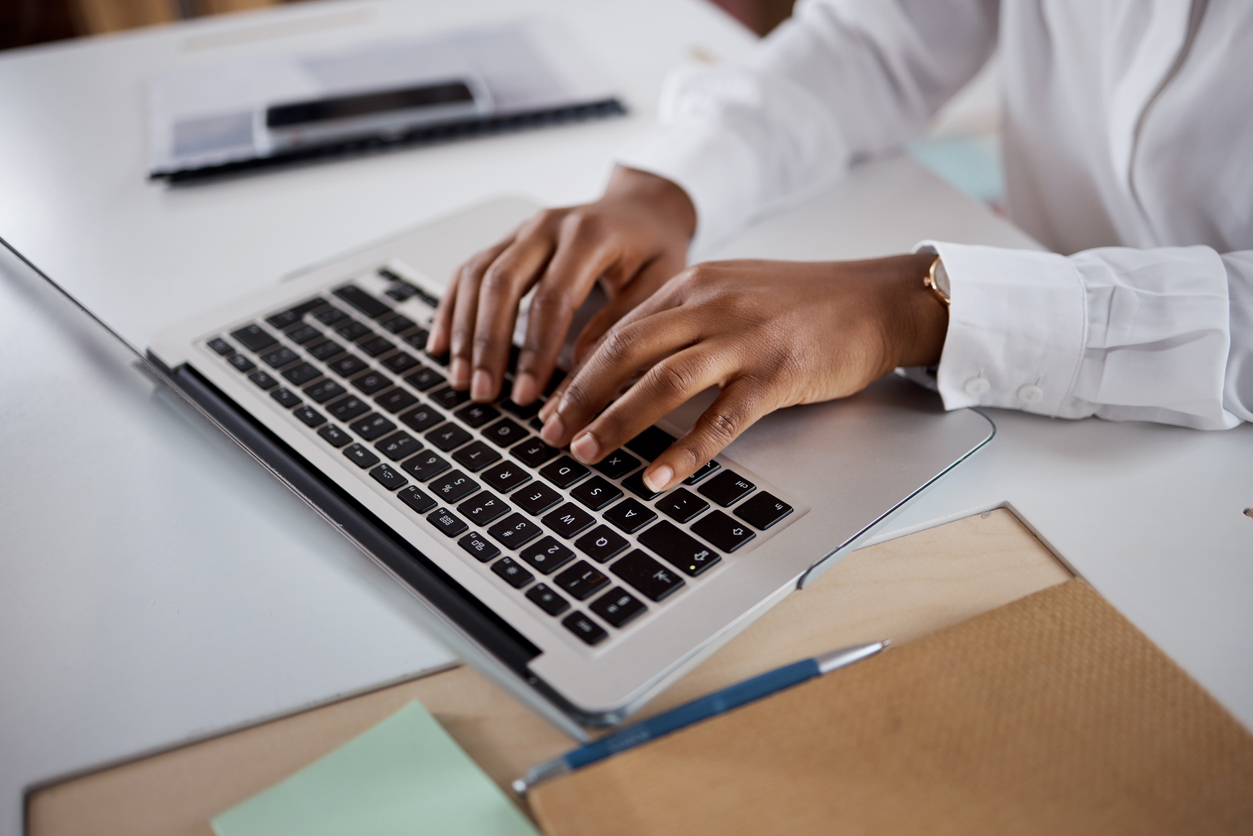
pixel 582 255
pixel 437 341
pixel 742 403
pixel 625 351
pixel 664 387
pixel 502 286
pixel 655 274
pixel 465 309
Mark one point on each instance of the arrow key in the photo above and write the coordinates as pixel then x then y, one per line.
pixel 724 532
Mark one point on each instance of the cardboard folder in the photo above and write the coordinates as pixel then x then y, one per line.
pixel 1052 714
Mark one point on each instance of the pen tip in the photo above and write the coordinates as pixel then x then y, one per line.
pixel 885 642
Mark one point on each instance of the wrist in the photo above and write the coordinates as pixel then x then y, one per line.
pixel 664 198
pixel 924 314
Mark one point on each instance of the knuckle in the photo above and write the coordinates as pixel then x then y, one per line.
pixel 551 303
pixel 581 224
pixel 674 380
pixel 619 345
pixel 496 280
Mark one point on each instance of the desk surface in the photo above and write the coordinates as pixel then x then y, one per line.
pixel 132 617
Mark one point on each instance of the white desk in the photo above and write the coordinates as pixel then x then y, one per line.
pixel 157 586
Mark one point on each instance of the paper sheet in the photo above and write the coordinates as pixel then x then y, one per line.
pixel 404 776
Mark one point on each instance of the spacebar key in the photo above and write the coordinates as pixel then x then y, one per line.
pixel 679 548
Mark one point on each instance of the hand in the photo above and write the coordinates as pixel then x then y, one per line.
pixel 632 241
pixel 768 334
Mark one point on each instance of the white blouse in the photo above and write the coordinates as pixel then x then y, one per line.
pixel 1128 137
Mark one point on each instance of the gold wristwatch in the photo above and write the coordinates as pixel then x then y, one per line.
pixel 937 280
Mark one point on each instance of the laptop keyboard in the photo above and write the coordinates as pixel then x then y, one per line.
pixel 592 547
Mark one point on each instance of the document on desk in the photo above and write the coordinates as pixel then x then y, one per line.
pixel 262 111
pixel 404 776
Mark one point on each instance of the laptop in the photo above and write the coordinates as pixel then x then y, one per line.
pixel 575 588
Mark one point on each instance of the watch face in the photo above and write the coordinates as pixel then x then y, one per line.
pixel 941 279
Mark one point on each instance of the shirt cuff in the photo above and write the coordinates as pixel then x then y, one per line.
pixel 1017 328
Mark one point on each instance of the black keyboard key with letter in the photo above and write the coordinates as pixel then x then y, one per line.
pixel 347 366
pixel 569 520
pixel 453 487
pixel 630 515
pixel 505 476
pixel 536 498
pixel 564 472
pixel 424 379
pixel 375 347
pixel 533 452
pixel 635 484
pixel 476 414
pixel 399 363
pixel 372 382
pixel 514 531
pixel 476 456
pixel 547 555
pixel 651 443
pixel 617 464
pixel 449 398
pixel 504 432
pixel 447 436
pixel 596 493
pixel 425 465
pixel 484 509
pixel 422 418
pixel 601 543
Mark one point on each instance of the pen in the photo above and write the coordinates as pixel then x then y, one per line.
pixel 697 710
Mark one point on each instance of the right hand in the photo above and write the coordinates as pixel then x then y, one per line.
pixel 632 241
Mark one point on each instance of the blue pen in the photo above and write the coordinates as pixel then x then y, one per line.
pixel 697 710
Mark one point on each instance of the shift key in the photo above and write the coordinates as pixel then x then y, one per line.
pixel 679 547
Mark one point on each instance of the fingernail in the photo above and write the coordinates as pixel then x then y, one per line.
pixel 552 432
pixel 460 373
pixel 481 386
pixel 658 477
pixel 432 338
pixel 585 448
pixel 547 409
pixel 525 389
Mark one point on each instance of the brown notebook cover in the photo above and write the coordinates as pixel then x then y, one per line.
pixel 1052 714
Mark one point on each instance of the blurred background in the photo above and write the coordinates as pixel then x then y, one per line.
pixel 963 145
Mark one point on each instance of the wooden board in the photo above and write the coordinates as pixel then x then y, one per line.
pixel 900 590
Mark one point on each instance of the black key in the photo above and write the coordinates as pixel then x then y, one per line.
pixel 330 316
pixel 401 292
pixel 439 359
pixel 476 456
pixel 601 543
pixel 279 357
pixel 425 465
pixel 301 374
pixel 483 509
pixel 395 400
pixel 581 581
pixel 452 487
pixel 286 397
pixel 680 548
pixel 479 546
pixel 221 346
pixel 726 488
pixel 505 476
pixel 345 409
pixel 522 412
pixel 564 472
pixel 618 607
pixel 514 531
pixel 398 446
pixel 534 452
pixel 477 414
pixel 635 484
pixel 449 397
pixel 397 324
pixel 325 350
pixel 303 334
pixel 596 493
pixel 535 424
pixel 724 532
pixel 388 478
pixel 253 337
pixel 362 301
pixel 418 338
pixel 547 555
pixel 422 418
pixel 647 575
pixel 681 505
pixel 504 432
pixel 617 464
pixel 630 516
pixel 448 523
pixel 513 572
pixel 334 436
pixel 262 379
pixel 536 498
pixel 352 330
pixel 416 500
pixel 399 362
pixel 372 382
pixel 375 347
pixel 583 627
pixel 569 520
pixel 424 379
pixel 241 363
pixel 360 456
pixel 347 366
pixel 763 510
pixel 448 436
pixel 292 315
pixel 651 443
pixel 323 391
pixel 372 426
pixel 550 602
pixel 309 416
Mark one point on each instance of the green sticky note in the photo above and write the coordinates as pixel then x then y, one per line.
pixel 404 776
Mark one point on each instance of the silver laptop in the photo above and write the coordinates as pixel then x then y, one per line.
pixel 575 588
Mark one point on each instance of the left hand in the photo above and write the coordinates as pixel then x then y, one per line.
pixel 768 334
